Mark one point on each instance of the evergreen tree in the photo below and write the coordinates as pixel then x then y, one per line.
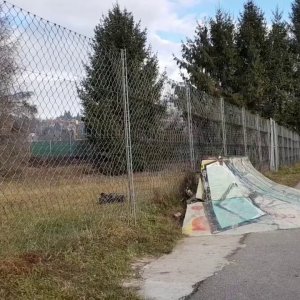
pixel 101 92
pixel 248 65
pixel 293 109
pixel 223 52
pixel 66 116
pixel 209 59
pixel 295 24
pixel 251 48
pixel 279 69
pixel 196 60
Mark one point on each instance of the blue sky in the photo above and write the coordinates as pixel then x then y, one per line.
pixel 207 8
pixel 236 6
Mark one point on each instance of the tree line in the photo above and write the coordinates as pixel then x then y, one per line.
pixel 244 61
pixel 247 63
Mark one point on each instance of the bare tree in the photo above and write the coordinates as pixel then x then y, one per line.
pixel 16 113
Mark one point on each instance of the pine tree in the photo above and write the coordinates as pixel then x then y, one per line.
pixel 196 60
pixel 101 92
pixel 294 105
pixel 295 24
pixel 279 69
pixel 251 48
pixel 223 52
pixel 209 58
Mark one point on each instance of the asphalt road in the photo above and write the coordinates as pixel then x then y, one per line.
pixel 267 268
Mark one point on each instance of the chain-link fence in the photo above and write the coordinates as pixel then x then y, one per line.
pixel 100 134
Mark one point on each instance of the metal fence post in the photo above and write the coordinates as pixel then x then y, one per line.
pixel 272 160
pixel 223 122
pixel 269 142
pixel 258 138
pixel 131 193
pixel 276 146
pixel 294 146
pixel 289 147
pixel 285 149
pixel 190 126
pixel 279 140
pixel 291 143
pixel 244 130
pixel 297 147
pixel 283 155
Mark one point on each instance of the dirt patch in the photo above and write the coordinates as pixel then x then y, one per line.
pixel 33 258
pixel 23 264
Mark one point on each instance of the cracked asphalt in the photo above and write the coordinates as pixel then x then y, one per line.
pixel 268 267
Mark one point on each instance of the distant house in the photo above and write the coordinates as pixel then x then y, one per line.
pixel 60 130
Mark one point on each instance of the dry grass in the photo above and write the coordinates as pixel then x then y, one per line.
pixel 41 190
pixel 67 257
pixel 57 243
pixel 289 176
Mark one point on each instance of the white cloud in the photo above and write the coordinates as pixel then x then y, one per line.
pixel 156 15
pixel 167 49
pixel 82 15
pixel 51 58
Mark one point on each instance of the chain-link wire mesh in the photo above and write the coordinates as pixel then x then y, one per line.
pixel 252 141
pixel 234 130
pixel 207 125
pixel 158 131
pixel 62 122
pixel 87 130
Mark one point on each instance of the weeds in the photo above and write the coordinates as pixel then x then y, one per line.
pixel 82 254
pixel 289 176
